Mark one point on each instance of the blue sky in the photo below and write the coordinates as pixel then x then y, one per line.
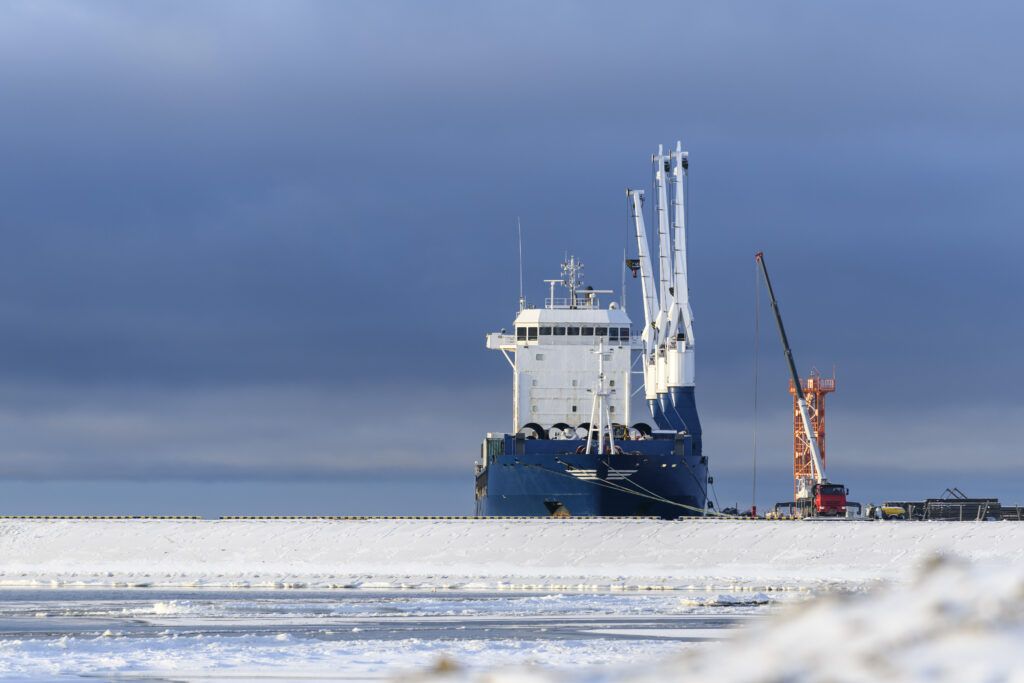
pixel 254 243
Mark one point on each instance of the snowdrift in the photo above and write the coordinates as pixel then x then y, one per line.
pixel 952 623
pixel 604 554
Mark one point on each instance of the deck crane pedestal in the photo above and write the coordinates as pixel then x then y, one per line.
pixel 815 496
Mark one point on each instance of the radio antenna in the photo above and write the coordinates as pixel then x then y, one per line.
pixel 519 230
pixel 622 292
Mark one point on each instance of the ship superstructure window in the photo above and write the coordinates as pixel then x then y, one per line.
pixel 531 334
pixel 520 334
pixel 545 331
pixel 587 331
pixel 601 331
pixel 613 333
pixel 573 331
pixel 559 331
pixel 624 333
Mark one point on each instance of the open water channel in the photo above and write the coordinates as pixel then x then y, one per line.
pixel 352 634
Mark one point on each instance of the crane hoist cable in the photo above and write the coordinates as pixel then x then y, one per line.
pixel 757 346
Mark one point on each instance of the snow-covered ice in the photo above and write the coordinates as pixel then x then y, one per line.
pixel 537 553
pixel 510 600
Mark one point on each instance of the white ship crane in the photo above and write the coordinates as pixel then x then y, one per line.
pixel 650 295
pixel 680 334
pixel 668 333
pixel 665 274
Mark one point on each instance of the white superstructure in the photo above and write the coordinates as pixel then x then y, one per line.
pixel 554 355
pixel 551 349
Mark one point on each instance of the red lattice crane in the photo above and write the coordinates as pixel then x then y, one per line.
pixel 816 388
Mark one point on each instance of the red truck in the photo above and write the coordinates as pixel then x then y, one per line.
pixel 830 500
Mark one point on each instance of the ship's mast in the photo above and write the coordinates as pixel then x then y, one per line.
pixel 600 417
pixel 572 278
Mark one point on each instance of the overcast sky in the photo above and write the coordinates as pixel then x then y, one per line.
pixel 264 240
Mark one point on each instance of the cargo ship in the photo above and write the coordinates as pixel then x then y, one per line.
pixel 574 449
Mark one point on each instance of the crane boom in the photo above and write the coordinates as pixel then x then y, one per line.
pixel 650 294
pixel 681 292
pixel 666 276
pixel 805 417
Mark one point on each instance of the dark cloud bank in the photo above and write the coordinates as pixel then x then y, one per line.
pixel 263 240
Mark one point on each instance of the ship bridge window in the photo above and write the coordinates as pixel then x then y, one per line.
pixel 531 333
pixel 624 333
pixel 520 334
pixel 573 331
pixel 559 331
pixel 587 331
pixel 545 331
pixel 601 331
pixel 613 334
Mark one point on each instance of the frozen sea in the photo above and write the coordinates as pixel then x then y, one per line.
pixel 347 634
pixel 376 599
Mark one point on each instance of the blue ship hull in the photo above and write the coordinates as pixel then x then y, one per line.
pixel 677 410
pixel 660 477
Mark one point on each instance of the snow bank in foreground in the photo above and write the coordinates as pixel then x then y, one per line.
pixel 592 554
pixel 952 623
